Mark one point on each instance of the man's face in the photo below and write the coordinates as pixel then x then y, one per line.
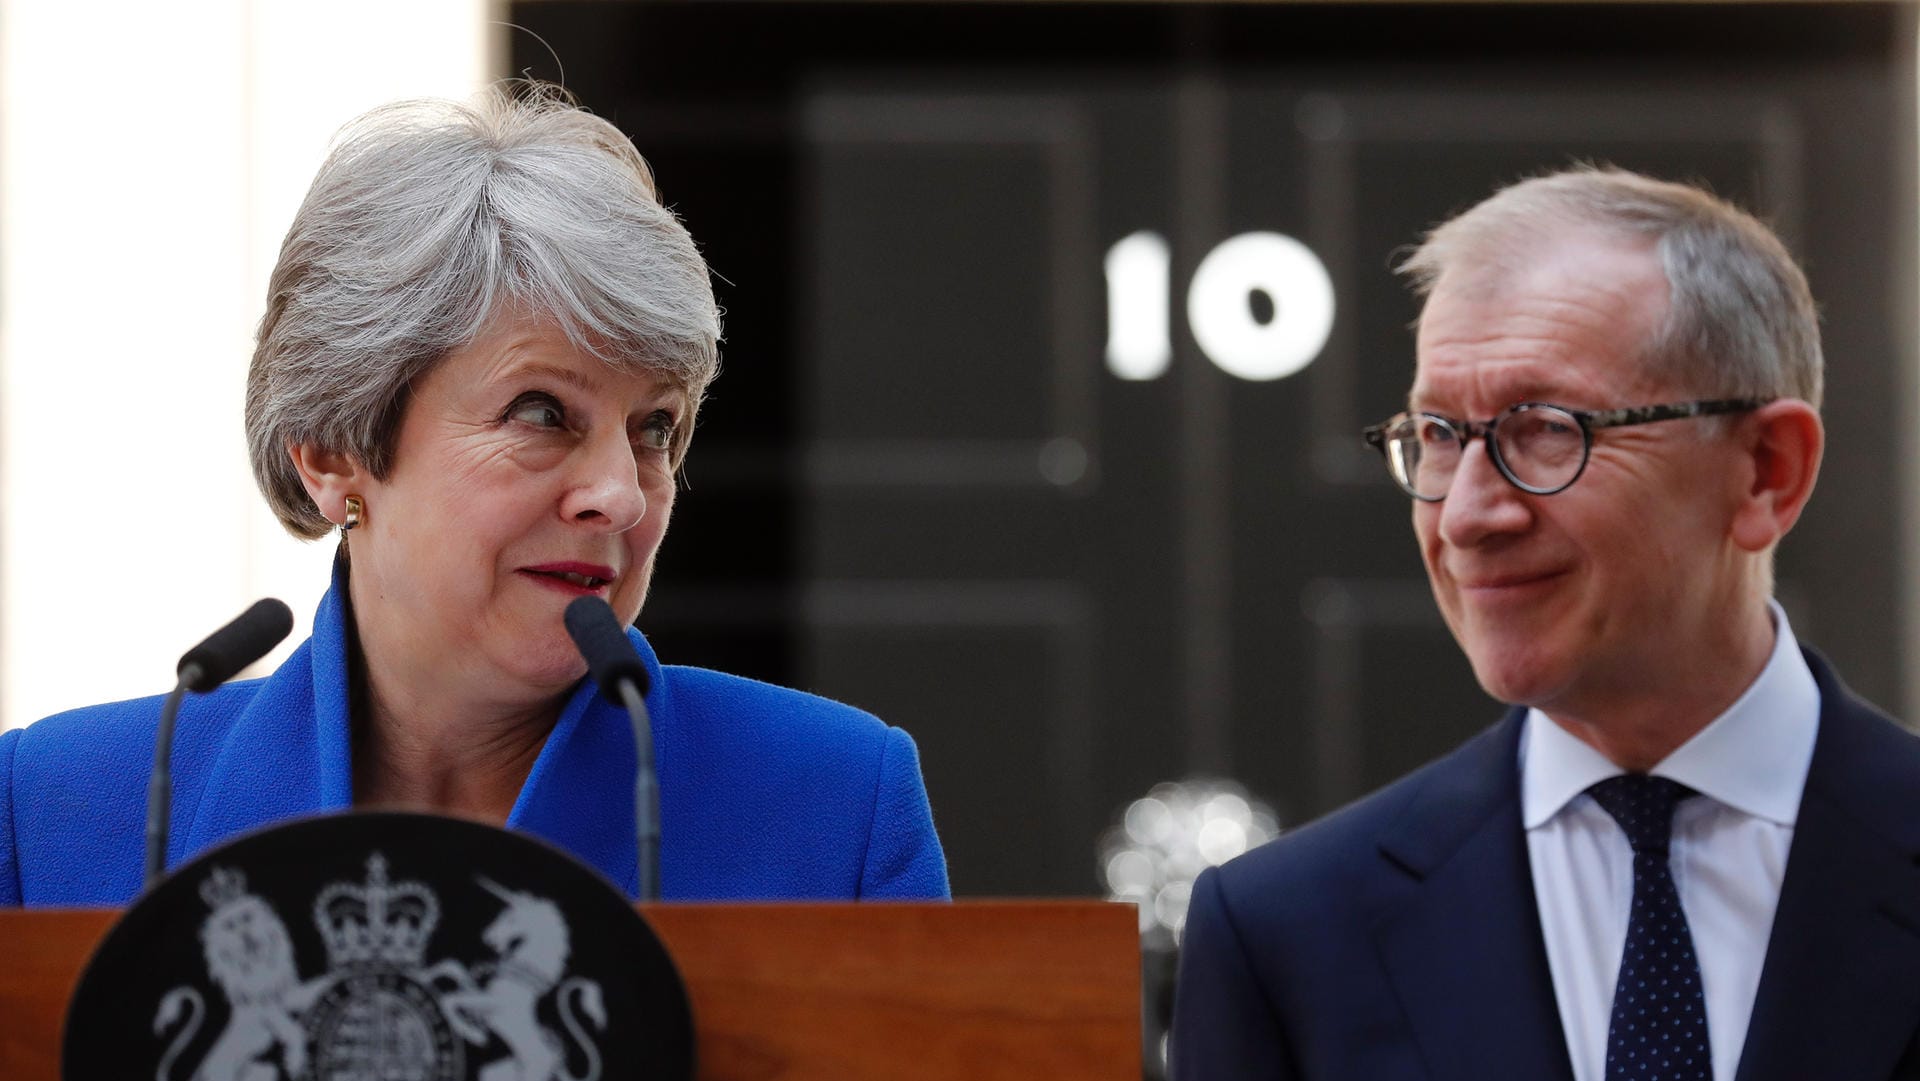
pixel 1573 599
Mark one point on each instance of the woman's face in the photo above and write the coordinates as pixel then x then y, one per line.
pixel 526 473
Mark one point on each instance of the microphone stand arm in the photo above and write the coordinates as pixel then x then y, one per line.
pixel 646 792
pixel 160 783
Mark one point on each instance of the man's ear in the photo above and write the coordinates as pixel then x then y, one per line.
pixel 330 477
pixel 1781 442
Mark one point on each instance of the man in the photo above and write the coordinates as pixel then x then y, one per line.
pixel 1688 852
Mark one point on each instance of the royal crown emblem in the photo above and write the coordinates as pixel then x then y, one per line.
pixel 377 922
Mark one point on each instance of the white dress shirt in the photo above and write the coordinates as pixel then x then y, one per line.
pixel 1728 854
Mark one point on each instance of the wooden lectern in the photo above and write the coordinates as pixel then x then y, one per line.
pixel 978 990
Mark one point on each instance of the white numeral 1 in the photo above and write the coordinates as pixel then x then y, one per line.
pixel 1138 346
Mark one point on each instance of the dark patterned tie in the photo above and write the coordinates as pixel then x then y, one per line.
pixel 1658 1031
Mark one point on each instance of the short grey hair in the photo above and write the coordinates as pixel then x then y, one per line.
pixel 1740 322
pixel 431 220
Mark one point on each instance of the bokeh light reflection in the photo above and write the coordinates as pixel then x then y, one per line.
pixel 1167 837
pixel 1149 858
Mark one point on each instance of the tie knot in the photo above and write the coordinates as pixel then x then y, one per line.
pixel 1643 806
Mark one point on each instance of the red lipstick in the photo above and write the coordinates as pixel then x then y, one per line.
pixel 573 578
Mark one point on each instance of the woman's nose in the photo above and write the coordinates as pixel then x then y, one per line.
pixel 606 490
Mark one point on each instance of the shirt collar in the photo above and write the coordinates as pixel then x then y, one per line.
pixel 1752 758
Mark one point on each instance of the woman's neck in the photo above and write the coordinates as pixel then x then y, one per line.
pixel 434 741
pixel 448 757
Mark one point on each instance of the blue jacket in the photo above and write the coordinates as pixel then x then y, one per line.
pixel 765 793
pixel 1399 939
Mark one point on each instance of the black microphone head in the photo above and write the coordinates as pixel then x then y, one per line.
pixel 238 644
pixel 598 635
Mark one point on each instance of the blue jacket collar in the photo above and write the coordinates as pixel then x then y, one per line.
pixel 289 754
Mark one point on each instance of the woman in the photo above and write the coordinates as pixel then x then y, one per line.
pixel 484 347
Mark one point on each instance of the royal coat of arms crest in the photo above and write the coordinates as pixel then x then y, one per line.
pixel 382 1011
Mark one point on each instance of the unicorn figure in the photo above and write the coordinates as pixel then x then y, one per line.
pixel 531 941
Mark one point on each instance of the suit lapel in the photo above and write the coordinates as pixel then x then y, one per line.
pixel 1839 997
pixel 1461 937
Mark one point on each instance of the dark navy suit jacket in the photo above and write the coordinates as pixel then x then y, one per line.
pixel 765 793
pixel 1399 937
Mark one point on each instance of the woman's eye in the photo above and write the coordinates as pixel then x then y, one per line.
pixel 656 433
pixel 539 410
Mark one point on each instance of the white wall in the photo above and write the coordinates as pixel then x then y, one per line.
pixel 151 156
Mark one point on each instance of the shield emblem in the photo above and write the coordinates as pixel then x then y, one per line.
pixel 397 947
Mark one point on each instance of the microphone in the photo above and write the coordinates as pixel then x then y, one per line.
pixel 206 666
pixel 615 666
pixel 238 644
pixel 610 656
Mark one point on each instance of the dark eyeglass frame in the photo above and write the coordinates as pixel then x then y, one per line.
pixel 1590 421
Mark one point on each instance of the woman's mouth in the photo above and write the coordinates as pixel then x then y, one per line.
pixel 580 578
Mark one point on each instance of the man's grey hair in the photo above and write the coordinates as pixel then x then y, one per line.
pixel 1740 320
pixel 432 220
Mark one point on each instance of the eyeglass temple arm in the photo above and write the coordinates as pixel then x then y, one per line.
pixel 1647 414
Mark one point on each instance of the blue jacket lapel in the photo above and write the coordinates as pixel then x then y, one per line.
pixel 1460 935
pixel 579 794
pixel 1838 997
pixel 289 754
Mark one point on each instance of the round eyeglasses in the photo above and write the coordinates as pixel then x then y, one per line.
pixel 1539 448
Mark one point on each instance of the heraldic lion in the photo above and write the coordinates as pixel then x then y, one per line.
pixel 250 955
